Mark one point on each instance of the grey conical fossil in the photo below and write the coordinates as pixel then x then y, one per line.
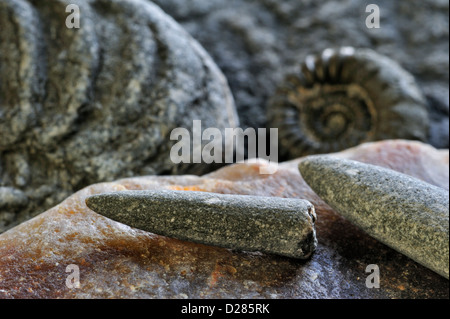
pixel 344 97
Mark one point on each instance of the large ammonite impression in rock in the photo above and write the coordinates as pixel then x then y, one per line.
pixel 345 97
pixel 97 102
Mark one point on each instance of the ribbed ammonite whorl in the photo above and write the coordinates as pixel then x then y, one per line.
pixel 99 102
pixel 345 97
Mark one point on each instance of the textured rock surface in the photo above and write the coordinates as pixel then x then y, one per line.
pixel 80 106
pixel 256 42
pixel 118 261
pixel 280 226
pixel 403 212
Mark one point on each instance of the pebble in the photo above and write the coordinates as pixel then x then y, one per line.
pixel 407 214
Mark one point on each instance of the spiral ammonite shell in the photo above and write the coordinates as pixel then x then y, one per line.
pixel 345 97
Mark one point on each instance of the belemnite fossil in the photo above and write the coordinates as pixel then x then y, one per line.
pixel 344 97
pixel 281 226
pixel 407 214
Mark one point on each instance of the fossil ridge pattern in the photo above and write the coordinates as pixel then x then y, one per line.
pixel 345 97
pixel 80 106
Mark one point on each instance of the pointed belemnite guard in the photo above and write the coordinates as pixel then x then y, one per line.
pixel 280 226
pixel 99 203
pixel 120 206
pixel 92 202
pixel 403 212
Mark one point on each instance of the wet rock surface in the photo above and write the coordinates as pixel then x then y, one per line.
pixel 80 106
pixel 256 43
pixel 119 261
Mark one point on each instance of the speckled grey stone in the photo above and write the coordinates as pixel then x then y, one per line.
pixel 405 213
pixel 250 223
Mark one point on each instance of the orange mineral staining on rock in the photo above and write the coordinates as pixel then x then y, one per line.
pixel 186 188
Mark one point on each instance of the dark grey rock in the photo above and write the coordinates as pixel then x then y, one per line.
pixel 256 43
pixel 404 213
pixel 273 225
pixel 81 106
pixel 11 197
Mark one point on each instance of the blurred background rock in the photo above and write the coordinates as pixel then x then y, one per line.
pixel 256 43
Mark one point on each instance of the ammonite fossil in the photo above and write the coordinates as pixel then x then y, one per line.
pixel 98 102
pixel 345 97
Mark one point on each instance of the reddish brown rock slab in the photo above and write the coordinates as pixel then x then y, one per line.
pixel 116 261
